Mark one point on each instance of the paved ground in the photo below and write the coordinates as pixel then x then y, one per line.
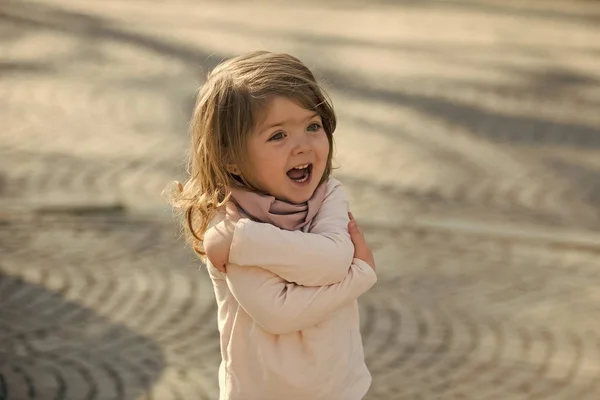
pixel 469 139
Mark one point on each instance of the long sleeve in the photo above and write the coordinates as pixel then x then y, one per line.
pixel 280 307
pixel 321 257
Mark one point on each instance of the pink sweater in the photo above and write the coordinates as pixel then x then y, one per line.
pixel 287 310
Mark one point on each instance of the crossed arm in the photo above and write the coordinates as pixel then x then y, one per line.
pixel 288 281
pixel 281 307
pixel 318 258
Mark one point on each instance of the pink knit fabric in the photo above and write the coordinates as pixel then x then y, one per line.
pixel 284 215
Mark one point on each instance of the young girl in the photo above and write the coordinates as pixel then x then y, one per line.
pixel 286 259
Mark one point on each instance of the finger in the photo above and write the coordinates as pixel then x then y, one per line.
pixel 219 265
pixel 353 228
pixel 221 268
pixel 353 223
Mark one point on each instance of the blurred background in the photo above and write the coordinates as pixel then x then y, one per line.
pixel 468 139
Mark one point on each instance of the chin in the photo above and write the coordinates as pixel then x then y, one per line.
pixel 295 199
pixel 303 199
pixel 299 198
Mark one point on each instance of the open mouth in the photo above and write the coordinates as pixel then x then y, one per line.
pixel 301 173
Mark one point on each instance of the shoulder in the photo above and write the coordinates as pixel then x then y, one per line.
pixel 335 189
pixel 336 199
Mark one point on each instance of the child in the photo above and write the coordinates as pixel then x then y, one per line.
pixel 286 259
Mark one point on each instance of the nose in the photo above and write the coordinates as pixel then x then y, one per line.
pixel 302 144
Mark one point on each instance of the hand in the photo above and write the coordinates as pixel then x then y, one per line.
pixel 361 249
pixel 217 239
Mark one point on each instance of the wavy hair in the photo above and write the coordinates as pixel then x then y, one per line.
pixel 225 114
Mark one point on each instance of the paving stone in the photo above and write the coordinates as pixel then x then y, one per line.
pixel 468 139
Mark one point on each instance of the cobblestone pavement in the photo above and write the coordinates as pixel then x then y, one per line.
pixel 469 139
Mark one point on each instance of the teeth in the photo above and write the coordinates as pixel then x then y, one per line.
pixel 301 166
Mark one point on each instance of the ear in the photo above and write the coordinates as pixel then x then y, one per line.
pixel 233 169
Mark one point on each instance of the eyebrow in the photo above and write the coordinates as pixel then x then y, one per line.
pixel 270 126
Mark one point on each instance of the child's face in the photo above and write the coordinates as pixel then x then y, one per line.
pixel 288 137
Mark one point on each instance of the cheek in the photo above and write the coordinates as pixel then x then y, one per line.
pixel 264 164
pixel 322 146
pixel 255 164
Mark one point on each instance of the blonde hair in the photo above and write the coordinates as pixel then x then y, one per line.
pixel 226 112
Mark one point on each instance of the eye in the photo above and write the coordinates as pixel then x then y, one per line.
pixel 314 127
pixel 277 136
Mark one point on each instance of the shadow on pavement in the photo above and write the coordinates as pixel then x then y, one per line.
pixel 519 130
pixel 51 347
pixel 24 18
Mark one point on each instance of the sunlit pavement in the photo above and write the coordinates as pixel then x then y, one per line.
pixel 468 138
